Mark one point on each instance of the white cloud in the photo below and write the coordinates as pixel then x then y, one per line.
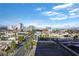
pixel 55 15
pixel 49 13
pixel 62 6
pixel 58 18
pixel 74 16
pixel 65 17
pixel 65 25
pixel 74 13
pixel 39 9
pixel 75 10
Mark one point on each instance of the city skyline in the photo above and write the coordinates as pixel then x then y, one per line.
pixel 56 15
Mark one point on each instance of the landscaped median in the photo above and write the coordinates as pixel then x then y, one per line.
pixel 29 46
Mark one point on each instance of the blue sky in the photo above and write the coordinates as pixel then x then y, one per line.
pixel 40 14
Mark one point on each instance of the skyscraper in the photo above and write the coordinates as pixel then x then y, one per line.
pixel 21 27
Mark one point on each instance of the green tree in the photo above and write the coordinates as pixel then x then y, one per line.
pixel 13 45
pixel 31 32
pixel 75 37
pixel 21 38
pixel 33 42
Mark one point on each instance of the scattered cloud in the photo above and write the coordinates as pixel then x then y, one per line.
pixel 39 9
pixel 39 25
pixel 52 15
pixel 74 10
pixel 58 18
pixel 74 16
pixel 55 15
pixel 58 7
pixel 49 13
pixel 58 15
pixel 65 25
pixel 64 17
pixel 74 13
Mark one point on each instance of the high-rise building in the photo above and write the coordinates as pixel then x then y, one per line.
pixel 19 27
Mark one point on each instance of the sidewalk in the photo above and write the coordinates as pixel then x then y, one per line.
pixel 32 52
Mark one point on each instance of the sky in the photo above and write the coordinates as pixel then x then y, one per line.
pixel 56 15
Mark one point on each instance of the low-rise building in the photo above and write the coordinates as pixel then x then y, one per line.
pixel 3 46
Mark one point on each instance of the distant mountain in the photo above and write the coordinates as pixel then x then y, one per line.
pixel 72 28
